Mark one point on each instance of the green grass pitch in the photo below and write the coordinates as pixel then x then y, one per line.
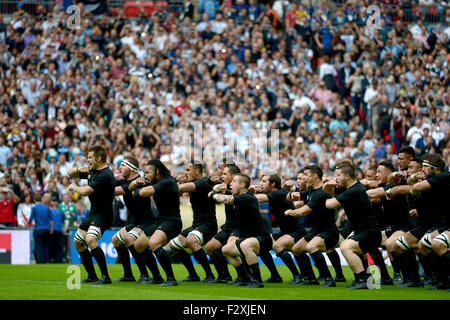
pixel 49 282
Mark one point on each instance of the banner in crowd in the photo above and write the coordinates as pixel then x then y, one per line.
pixel 15 246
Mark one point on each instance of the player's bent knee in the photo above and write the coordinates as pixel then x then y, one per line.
pixel 91 241
pixel 117 239
pixel 402 243
pixel 348 246
pixel 175 244
pixel 79 240
pixel 425 241
pixel 227 249
pixel 311 248
pixel 441 242
pixel 194 238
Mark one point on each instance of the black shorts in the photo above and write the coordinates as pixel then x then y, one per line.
pixel 439 229
pixel 207 229
pixel 265 243
pixel 296 235
pixel 171 227
pixel 390 231
pixel 222 237
pixel 367 240
pixel 330 237
pixel 141 226
pixel 104 222
pixel 419 231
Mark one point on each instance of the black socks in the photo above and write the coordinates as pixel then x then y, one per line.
pixel 187 262
pixel 287 260
pixel 201 258
pixel 165 262
pixel 256 273
pixel 99 256
pixel 221 264
pixel 86 260
pixel 266 257
pixel 149 260
pixel 304 264
pixel 336 263
pixel 138 260
pixel 124 257
pixel 377 258
pixel 321 264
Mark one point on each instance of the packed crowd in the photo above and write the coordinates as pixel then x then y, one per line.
pixel 314 70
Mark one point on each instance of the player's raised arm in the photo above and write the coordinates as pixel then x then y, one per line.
pixel 299 212
pixel 186 187
pixel 222 198
pixel 147 191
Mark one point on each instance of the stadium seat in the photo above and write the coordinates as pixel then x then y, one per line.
pixel 132 8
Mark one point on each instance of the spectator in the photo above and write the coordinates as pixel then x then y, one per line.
pixel 209 7
pixel 43 218
pixel 8 200
pixel 371 98
pixel 324 37
pixel 5 152
pixel 415 132
pixel 60 227
pixel 82 212
pixel 69 210
pixel 384 117
pixel 24 211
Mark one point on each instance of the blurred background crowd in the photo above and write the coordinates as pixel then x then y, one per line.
pixel 334 82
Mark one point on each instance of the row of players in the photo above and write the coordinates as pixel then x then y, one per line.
pixel 399 211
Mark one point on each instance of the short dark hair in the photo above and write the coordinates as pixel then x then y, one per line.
pixel 408 150
pixel 417 159
pixel 243 178
pixel 233 169
pixel 388 165
pixel 99 151
pixel 315 169
pixel 274 178
pixel 348 169
pixel 197 165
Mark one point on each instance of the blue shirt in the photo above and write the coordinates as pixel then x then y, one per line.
pixel 58 220
pixel 327 36
pixel 42 215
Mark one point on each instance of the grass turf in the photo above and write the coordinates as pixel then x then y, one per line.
pixel 49 282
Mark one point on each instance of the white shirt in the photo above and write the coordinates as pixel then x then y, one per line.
pixel 218 26
pixel 23 214
pixel 303 100
pixel 368 96
pixel 415 134
pixel 326 69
